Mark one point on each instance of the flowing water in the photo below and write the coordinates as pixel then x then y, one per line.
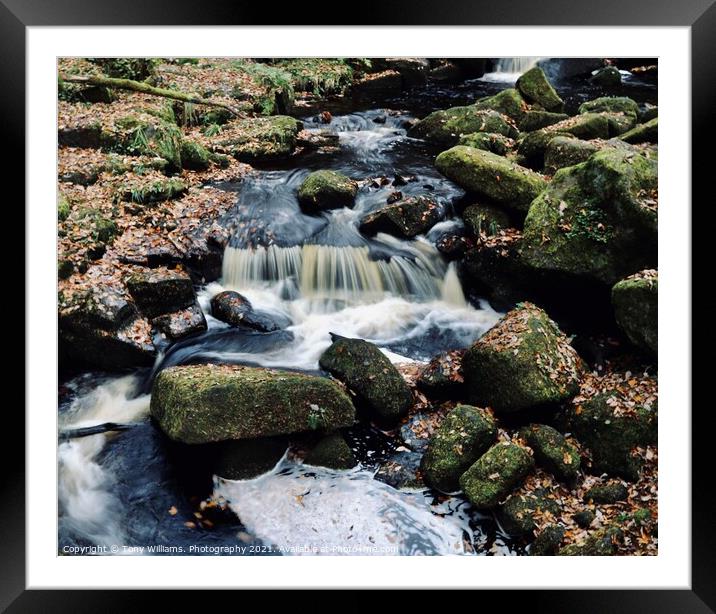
pixel 314 275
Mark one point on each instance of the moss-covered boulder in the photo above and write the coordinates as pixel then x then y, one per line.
pixel 597 219
pixel 609 76
pixel 602 542
pixel 648 112
pixel 161 291
pixel 194 156
pixel 508 102
pixel 447 126
pixel 406 218
pixel 612 415
pixel 611 104
pixel 535 87
pixel 584 519
pixel 607 493
pixel 258 139
pixel 463 436
pixel 643 133
pixel 552 451
pixel 534 120
pixel 371 376
pixel 523 361
pixel 333 452
pixel 517 514
pixel 487 174
pixel 249 458
pixel 442 378
pixel 324 189
pixel 563 151
pixel 489 141
pixel 495 474
pixel 204 403
pixel 485 219
pixel 150 191
pixel 547 541
pixel 636 305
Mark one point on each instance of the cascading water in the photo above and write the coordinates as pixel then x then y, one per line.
pixel 508 70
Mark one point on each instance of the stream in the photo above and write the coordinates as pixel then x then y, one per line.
pixel 314 275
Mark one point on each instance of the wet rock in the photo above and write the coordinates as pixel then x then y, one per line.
pixel 318 140
pixel 401 470
pixel 181 323
pixel 489 141
pixel 447 126
pixel 552 451
pixel 535 87
pixel 416 432
pixel 524 361
pixel 413 71
pixel 649 112
pixel 508 102
pixel 377 85
pixel 332 452
pixel 161 291
pixel 600 543
pixel 258 138
pixel 236 310
pixel 643 133
pixel 204 403
pixel 394 197
pixel 323 190
pixel 516 515
pixel 406 218
pixel 547 541
pixel 491 176
pixel 534 120
pixel 249 458
pixel 445 72
pixel 380 119
pixel 371 376
pixel 453 246
pixel 584 519
pixel 597 219
pixel 463 436
pixel 495 474
pixel 442 377
pixel 485 219
pixel 609 492
pixel 609 76
pixel 636 303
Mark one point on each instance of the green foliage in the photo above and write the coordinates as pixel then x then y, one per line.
pixel 316 417
pixel 137 69
pixel 63 207
pixel 212 130
pixel 277 84
pixel 317 75
pixel 592 224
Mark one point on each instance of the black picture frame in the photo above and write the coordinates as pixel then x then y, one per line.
pixel 699 15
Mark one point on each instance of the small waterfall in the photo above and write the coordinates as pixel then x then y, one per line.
pixel 330 272
pixel 516 65
pixel 451 290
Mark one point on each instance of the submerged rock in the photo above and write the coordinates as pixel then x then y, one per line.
pixel 371 376
pixel 204 403
pixel 406 218
pixel 401 470
pixel 323 190
pixel 495 474
pixel 492 176
pixel 333 452
pixel 535 87
pixel 523 361
pixel 447 126
pixel 636 305
pixel 463 436
pixel 552 451
pixel 160 291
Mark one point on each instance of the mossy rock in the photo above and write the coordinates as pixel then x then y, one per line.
pixel 495 474
pixel 405 219
pixel 508 102
pixel 485 219
pixel 143 134
pixel 362 367
pixel 447 126
pixel 332 452
pixel 463 436
pixel 649 112
pixel 489 141
pixel 136 69
pixel 65 268
pixel 619 123
pixel 492 176
pixel 194 156
pixel 524 361
pixel 596 219
pixel 552 451
pixel 249 458
pixel 600 543
pixel 607 493
pixel 547 541
pixel 154 191
pixel 203 403
pixel 535 87
pixel 441 379
pixel 516 515
pixel 609 76
pixel 63 207
pixel 157 291
pixel 323 190
pixel 534 120
pixel 611 104
pixel 260 138
pixel 643 133
pixel 584 519
pixel 563 151
pixel 636 306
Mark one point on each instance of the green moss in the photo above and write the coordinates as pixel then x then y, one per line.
pixel 643 133
pixel 486 219
pixel 584 519
pixel 324 189
pixel 636 303
pixel 369 373
pixel 65 268
pixel 447 126
pixel 194 156
pixel 137 69
pixel 158 190
pixel 600 543
pixel 563 151
pixel 277 84
pixel 609 76
pixel 535 87
pixel 516 515
pixel 552 451
pixel 611 104
pixel 492 176
pixel 260 138
pixel 157 292
pixel 145 135
pixel 320 76
pixel 406 218
pixel 508 102
pixel 63 207
pixel 202 403
pixel 489 141
pixel 610 492
pixel 547 541
pixel 332 452
pixel 534 120
pixel 495 474
pixel 464 435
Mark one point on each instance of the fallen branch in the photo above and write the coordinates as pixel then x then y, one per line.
pixel 93 430
pixel 145 88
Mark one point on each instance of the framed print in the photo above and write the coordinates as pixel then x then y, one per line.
pixel 356 292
